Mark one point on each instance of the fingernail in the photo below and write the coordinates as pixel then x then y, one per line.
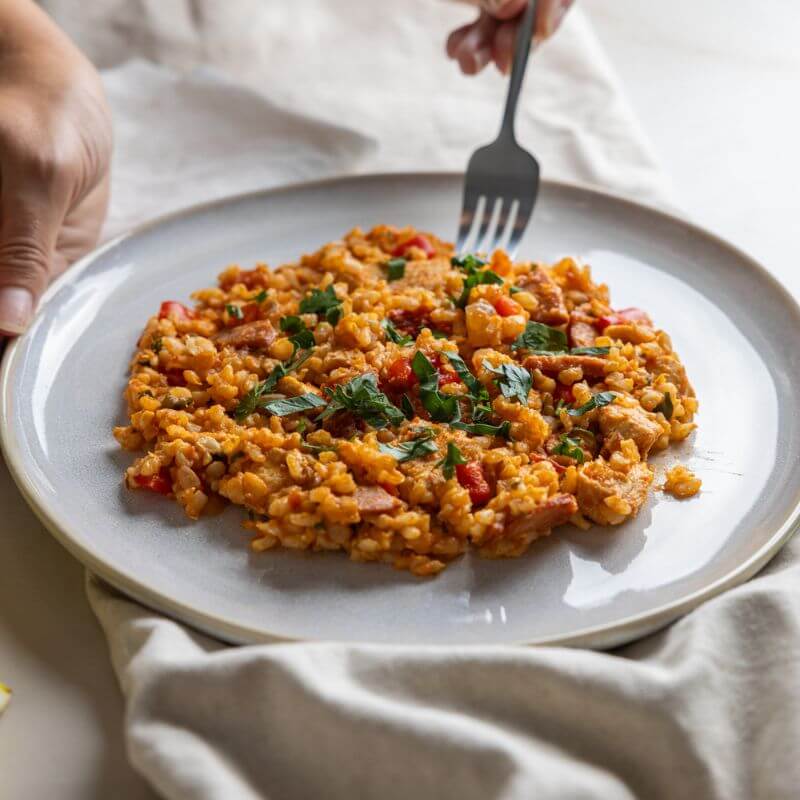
pixel 16 310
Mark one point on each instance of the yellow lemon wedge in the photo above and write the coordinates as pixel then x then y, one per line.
pixel 5 696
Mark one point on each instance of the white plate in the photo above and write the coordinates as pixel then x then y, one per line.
pixel 735 328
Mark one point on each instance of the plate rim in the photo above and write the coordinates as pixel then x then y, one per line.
pixel 600 636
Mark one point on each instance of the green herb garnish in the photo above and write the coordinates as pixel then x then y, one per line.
pixel 418 447
pixel 514 381
pixel 440 407
pixel 439 334
pixel 361 397
pixel 260 297
pixel 590 351
pixel 515 290
pixel 157 344
pixel 254 398
pixel 393 335
pixel 324 303
pixel 407 406
pixel 451 459
pixel 598 401
pixel 291 405
pixel 570 448
pixel 473 276
pixel 665 406
pixel 540 338
pixel 484 428
pixel 234 311
pixel 301 337
pixel 395 268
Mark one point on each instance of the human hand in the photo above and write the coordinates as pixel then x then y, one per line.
pixel 493 35
pixel 55 148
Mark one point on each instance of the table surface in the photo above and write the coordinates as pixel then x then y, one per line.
pixel 713 85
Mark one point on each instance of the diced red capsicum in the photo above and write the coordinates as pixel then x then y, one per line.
pixel 471 477
pixel 421 242
pixel 506 307
pixel 171 308
pixel 161 483
pixel 623 316
pixel 564 393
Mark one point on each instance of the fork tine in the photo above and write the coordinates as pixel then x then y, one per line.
pixel 520 225
pixel 504 222
pixel 487 223
pixel 469 212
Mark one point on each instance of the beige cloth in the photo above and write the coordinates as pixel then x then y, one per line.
pixel 706 709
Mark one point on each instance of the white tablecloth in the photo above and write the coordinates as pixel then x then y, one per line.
pixel 704 709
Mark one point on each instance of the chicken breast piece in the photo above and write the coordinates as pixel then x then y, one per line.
pixel 620 422
pixel 582 334
pixel 551 310
pixel 375 500
pixel 591 365
pixel 258 335
pixel 670 366
pixel 597 482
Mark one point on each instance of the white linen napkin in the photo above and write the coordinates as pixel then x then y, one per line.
pixel 677 715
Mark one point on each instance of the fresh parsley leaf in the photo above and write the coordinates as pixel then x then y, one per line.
pixel 291 405
pixel 395 268
pixel 302 425
pixel 157 344
pixel 407 406
pixel 590 351
pixel 540 338
pixel 514 381
pixel 324 303
pixel 462 370
pixel 419 447
pixel 598 401
pixel 292 324
pixel 451 459
pixel 473 276
pixel 361 397
pixel 302 338
pixel 234 311
pixel 441 408
pixel 665 406
pixel 393 335
pixel 569 447
pixel 484 428
pixel 439 334
pixel 253 399
pixel 515 290
pixel 260 297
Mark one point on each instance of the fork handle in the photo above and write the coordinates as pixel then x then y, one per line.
pixel 522 49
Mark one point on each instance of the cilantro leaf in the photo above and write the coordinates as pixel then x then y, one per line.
pixel 471 265
pixel 324 303
pixel 395 269
pixel 291 405
pixel 484 428
pixel 361 397
pixel 514 381
pixel 451 459
pixel 302 338
pixel 569 447
pixel 441 408
pixel 253 399
pixel 665 406
pixel 590 351
pixel 540 338
pixel 418 447
pixel 393 335
pixel 598 401
pixel 234 311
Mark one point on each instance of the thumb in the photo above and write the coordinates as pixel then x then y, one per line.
pixel 28 231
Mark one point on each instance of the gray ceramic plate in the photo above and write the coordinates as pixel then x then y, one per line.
pixel 734 326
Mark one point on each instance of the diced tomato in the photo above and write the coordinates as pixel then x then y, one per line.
pixel 171 308
pixel 445 376
pixel 506 307
pixel 564 393
pixel 400 376
pixel 422 242
pixel 410 322
pixel 471 477
pixel 250 312
pixel 175 377
pixel 161 483
pixel 622 316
